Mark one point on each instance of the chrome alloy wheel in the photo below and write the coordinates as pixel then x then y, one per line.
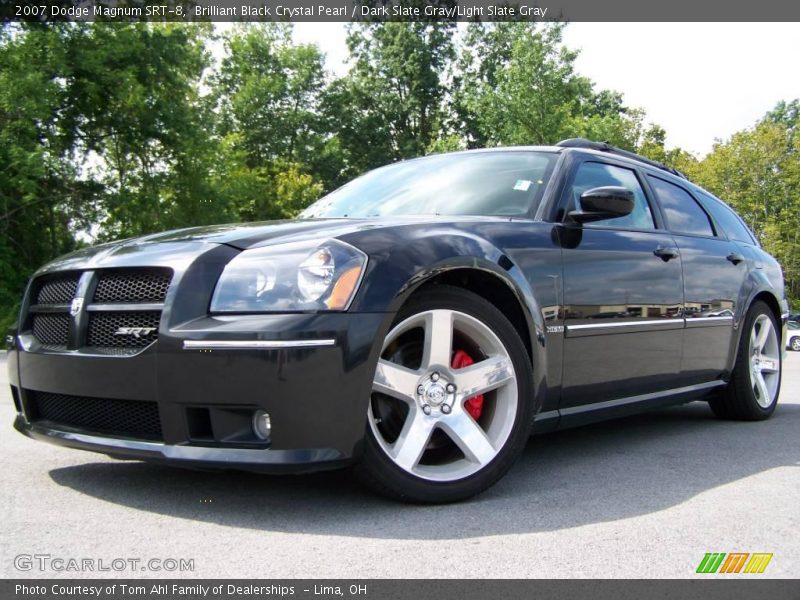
pixel 764 361
pixel 436 437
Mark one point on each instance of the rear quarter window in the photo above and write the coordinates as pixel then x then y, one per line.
pixel 729 221
pixel 682 212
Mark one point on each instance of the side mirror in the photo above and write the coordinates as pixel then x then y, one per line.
pixel 600 203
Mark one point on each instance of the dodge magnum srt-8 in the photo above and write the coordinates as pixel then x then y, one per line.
pixel 417 324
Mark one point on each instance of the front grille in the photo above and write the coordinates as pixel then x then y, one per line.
pixel 109 329
pixel 104 329
pixel 51 329
pixel 57 291
pixel 133 285
pixel 124 418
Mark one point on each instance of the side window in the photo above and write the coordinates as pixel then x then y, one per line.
pixel 727 219
pixel 593 174
pixel 682 212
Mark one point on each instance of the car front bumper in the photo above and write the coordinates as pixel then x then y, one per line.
pixel 311 372
pixel 268 460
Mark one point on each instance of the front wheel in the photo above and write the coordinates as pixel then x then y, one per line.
pixel 796 344
pixel 451 403
pixel 752 393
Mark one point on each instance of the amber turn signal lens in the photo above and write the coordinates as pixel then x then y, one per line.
pixel 343 289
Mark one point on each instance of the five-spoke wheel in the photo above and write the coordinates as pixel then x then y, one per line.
pixel 765 360
pixel 449 401
pixel 429 397
pixel 752 393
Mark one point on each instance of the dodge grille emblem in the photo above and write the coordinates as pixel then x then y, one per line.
pixel 137 332
pixel 76 306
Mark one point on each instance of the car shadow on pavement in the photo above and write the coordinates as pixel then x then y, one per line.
pixel 599 473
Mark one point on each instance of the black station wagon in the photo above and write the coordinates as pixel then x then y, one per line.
pixel 418 323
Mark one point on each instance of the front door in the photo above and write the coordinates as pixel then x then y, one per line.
pixel 623 296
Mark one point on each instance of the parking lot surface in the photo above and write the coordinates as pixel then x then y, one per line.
pixel 645 496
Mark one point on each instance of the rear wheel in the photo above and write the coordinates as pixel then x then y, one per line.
pixel 450 408
pixel 752 393
pixel 796 344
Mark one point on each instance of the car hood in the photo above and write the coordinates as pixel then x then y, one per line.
pixel 181 245
pixel 247 235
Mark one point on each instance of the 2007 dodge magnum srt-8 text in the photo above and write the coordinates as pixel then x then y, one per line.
pixel 418 323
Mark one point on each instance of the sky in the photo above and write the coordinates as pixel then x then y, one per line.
pixel 700 81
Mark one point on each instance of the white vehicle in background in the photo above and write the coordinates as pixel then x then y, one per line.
pixel 793 336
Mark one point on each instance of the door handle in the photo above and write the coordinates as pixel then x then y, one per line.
pixel 666 254
pixel 735 258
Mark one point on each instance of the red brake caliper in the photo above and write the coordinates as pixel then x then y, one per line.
pixel 473 405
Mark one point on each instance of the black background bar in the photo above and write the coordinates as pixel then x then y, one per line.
pixel 711 587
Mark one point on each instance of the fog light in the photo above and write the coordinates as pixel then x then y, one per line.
pixel 262 424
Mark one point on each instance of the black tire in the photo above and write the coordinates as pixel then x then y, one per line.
pixel 378 472
pixel 795 344
pixel 738 400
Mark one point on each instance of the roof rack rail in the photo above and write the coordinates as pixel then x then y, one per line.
pixel 606 147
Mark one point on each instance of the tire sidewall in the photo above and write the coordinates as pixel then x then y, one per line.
pixel 410 487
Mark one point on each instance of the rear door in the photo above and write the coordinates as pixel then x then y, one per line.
pixel 623 294
pixel 714 269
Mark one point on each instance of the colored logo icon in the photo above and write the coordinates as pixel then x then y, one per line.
pixel 734 562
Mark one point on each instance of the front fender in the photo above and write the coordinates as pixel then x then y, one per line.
pixel 403 259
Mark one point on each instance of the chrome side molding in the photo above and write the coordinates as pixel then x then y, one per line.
pixel 255 344
pixel 584 329
pixel 653 323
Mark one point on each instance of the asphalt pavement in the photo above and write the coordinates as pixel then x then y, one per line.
pixel 645 496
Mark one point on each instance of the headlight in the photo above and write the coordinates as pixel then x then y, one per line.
pixel 300 276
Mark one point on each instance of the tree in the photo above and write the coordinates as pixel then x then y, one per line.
pixel 102 133
pixel 134 103
pixel 652 144
pixel 43 198
pixel 268 91
pixel 275 150
pixel 515 83
pixel 119 129
pixel 757 171
pixel 390 105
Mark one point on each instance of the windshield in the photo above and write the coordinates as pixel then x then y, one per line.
pixel 473 183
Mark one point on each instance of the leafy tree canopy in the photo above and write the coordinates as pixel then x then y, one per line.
pixel 111 130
